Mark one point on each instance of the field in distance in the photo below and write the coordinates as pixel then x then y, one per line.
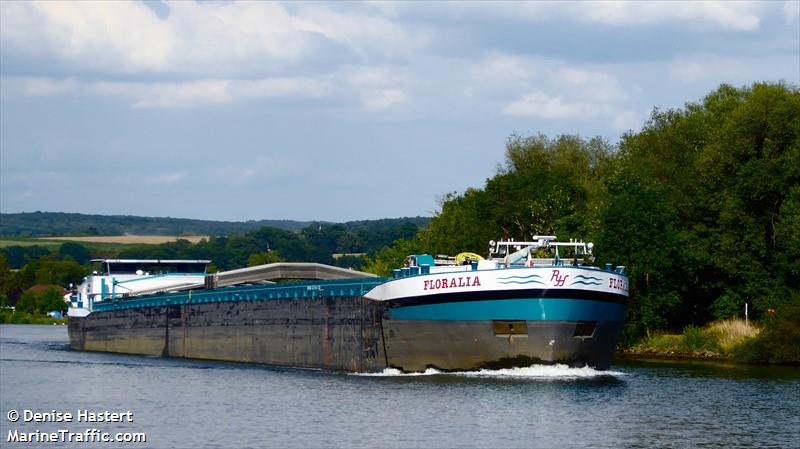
pixel 129 239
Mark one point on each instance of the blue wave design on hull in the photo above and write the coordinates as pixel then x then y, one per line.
pixel 585 283
pixel 530 276
pixel 580 276
pixel 521 283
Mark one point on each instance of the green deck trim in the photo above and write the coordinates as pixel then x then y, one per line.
pixel 294 290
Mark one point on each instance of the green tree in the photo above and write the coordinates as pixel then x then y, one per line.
pixel 41 303
pixel 392 257
pixel 75 251
pixel 51 300
pixel 263 258
pixel 717 184
pixel 640 233
pixel 28 302
pixel 547 186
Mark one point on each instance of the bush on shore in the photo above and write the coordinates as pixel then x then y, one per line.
pixel 778 342
pixel 19 317
pixel 715 340
pixel 772 341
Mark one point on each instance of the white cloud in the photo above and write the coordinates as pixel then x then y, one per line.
pixel 279 87
pixel 166 95
pixel 379 88
pixel 539 104
pixel 503 69
pixel 619 116
pixel 194 37
pixel 627 120
pixel 238 32
pixel 592 84
pixel 366 34
pixel 163 179
pixel 553 89
pixel 174 94
pixel 739 15
pixel 742 16
pixel 364 77
pixel 122 35
pixel 128 37
pixel 714 68
pixel 379 99
pixel 690 71
pixel 47 86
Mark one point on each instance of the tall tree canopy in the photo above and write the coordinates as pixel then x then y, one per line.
pixel 547 186
pixel 723 227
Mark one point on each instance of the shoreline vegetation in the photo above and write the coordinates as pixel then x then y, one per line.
pixel 19 317
pixel 771 342
pixel 718 340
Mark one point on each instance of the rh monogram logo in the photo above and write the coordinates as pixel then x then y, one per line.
pixel 557 279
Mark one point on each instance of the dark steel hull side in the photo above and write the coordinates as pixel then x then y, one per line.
pixel 324 333
pixel 415 345
pixel 343 333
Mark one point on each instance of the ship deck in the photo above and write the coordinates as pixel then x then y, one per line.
pixel 288 290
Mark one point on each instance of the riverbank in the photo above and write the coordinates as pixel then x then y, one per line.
pixel 717 340
pixel 736 341
pixel 17 317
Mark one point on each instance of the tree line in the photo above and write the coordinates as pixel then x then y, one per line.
pixel 43 224
pixel 46 224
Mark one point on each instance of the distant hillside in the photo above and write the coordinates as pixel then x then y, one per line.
pixel 40 224
pixel 44 224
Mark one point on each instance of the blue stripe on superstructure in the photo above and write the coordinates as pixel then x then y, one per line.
pixel 292 290
pixel 534 309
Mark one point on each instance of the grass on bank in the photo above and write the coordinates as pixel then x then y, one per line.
pixel 717 339
pixel 8 316
pixel 772 341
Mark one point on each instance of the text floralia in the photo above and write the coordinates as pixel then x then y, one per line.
pixel 454 282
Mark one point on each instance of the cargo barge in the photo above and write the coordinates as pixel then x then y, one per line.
pixel 529 302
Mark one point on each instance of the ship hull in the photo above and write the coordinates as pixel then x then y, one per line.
pixel 356 334
pixel 370 325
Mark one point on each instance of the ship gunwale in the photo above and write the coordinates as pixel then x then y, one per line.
pixel 496 294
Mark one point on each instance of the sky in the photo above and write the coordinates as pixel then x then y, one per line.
pixel 344 110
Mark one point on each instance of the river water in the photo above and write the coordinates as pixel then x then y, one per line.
pixel 198 404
